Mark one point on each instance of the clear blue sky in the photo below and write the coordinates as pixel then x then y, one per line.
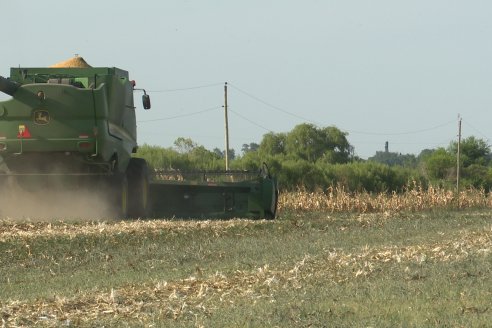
pixel 396 71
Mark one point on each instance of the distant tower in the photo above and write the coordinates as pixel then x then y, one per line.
pixel 386 147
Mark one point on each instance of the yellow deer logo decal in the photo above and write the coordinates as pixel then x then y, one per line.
pixel 41 117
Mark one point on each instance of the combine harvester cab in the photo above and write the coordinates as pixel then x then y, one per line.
pixel 74 126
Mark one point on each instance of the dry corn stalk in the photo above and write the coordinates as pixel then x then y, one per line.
pixel 336 199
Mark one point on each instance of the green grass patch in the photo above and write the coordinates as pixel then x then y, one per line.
pixel 304 269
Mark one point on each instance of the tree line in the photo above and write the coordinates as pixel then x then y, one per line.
pixel 313 158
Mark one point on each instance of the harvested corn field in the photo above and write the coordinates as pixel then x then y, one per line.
pixel 305 269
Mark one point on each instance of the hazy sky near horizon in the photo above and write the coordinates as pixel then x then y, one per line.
pixel 382 70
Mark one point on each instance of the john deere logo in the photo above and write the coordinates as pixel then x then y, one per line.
pixel 41 117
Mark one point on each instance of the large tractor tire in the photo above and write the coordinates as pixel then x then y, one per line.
pixel 272 212
pixel 122 194
pixel 138 187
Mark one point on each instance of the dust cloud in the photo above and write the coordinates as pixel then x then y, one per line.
pixel 34 188
pixel 46 204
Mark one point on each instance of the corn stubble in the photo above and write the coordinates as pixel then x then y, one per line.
pixel 195 299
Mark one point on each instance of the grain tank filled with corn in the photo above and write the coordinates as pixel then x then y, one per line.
pixel 74 126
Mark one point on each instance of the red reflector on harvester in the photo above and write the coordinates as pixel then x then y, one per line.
pixel 23 132
pixel 85 145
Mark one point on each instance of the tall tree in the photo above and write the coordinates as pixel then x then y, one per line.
pixel 184 145
pixel 439 164
pixel 310 143
pixel 272 144
pixel 391 158
pixel 338 149
pixel 250 147
pixel 472 151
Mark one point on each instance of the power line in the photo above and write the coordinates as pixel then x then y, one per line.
pixel 186 89
pixel 182 115
pixel 402 133
pixel 270 105
pixel 468 124
pixel 350 131
pixel 283 111
pixel 250 121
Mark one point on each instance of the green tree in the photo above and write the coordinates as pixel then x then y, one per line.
pixel 477 176
pixel 184 145
pixel 202 159
pixel 299 173
pixel 250 147
pixel 159 157
pixel 272 144
pixel 221 153
pixel 305 142
pixel 439 165
pixel 472 151
pixel 249 161
pixel 337 148
pixel 310 143
pixel 391 158
pixel 187 155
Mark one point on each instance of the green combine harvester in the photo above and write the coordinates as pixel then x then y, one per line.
pixel 74 126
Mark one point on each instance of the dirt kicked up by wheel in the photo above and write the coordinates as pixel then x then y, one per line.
pixel 138 188
pixel 120 194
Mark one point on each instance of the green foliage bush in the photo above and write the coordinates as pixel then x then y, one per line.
pixel 196 158
pixel 355 176
pixel 317 158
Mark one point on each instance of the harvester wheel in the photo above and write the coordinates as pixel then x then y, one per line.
pixel 272 213
pixel 119 185
pixel 138 186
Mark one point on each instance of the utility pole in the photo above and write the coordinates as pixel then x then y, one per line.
pixel 458 160
pixel 226 129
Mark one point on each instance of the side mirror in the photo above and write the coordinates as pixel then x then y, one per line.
pixel 146 101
